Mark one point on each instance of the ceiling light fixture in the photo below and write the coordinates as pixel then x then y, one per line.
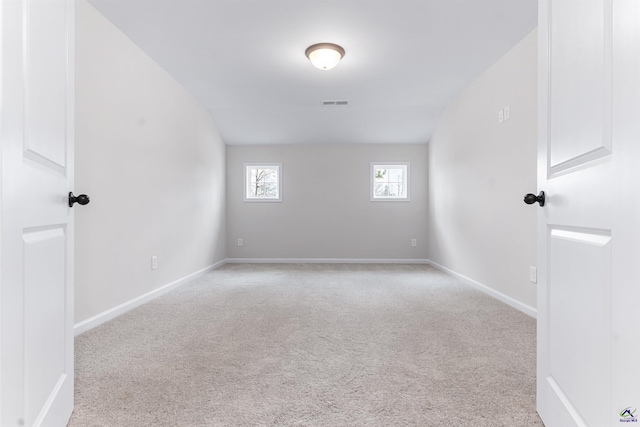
pixel 324 55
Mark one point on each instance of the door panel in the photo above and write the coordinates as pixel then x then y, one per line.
pixel 579 83
pixel 45 92
pixel 579 326
pixel 45 315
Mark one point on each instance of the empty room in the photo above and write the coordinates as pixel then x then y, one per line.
pixel 319 213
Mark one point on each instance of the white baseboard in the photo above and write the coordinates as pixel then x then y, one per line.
pixel 114 312
pixel 324 261
pixel 489 291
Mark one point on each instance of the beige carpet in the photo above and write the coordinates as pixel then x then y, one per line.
pixel 311 345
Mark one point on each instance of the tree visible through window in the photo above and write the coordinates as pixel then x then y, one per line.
pixel 262 182
pixel 390 181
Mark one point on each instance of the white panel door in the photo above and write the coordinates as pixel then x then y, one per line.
pixel 589 227
pixel 36 305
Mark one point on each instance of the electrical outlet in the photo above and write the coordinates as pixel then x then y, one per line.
pixel 507 113
pixel 500 116
pixel 533 275
pixel 240 242
pixel 154 262
pixel 414 242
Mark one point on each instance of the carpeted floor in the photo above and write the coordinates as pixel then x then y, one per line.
pixel 311 345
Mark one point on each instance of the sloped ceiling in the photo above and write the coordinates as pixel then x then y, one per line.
pixel 244 60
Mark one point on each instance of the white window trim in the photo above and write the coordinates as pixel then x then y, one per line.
pixel 389 199
pixel 245 171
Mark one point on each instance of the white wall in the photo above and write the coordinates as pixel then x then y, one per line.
pixel 153 163
pixel 479 171
pixel 326 211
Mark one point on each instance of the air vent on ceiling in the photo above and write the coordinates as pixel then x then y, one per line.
pixel 342 103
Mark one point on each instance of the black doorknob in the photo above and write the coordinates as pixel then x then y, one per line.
pixel 532 198
pixel 82 199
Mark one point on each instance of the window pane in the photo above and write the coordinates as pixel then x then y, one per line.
pixel 270 189
pixel 380 175
pixel 381 189
pixel 254 189
pixel 260 175
pixel 269 175
pixel 395 190
pixel 395 175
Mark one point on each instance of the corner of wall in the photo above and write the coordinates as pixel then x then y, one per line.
pixel 153 161
pixel 479 168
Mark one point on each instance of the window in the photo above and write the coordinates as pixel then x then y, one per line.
pixel 263 182
pixel 390 181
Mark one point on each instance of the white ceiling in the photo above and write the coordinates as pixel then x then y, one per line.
pixel 244 60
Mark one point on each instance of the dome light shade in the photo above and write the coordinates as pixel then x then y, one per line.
pixel 325 55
